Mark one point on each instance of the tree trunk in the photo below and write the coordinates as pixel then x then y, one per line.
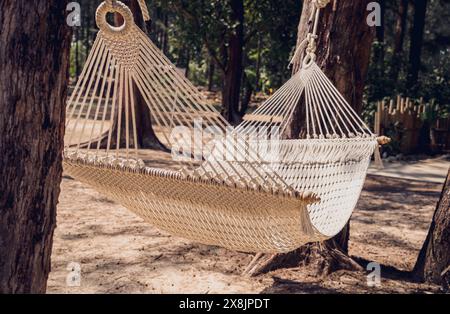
pixel 415 53
pixel 165 42
pixel 145 134
pixel 34 69
pixel 211 72
pixel 380 30
pixel 433 263
pixel 151 25
pixel 379 48
pixel 399 38
pixel 77 52
pixel 380 34
pixel 258 64
pixel 246 95
pixel 343 54
pixel 87 43
pixel 231 89
pixel 188 61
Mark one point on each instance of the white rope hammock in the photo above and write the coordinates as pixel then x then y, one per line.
pixel 244 203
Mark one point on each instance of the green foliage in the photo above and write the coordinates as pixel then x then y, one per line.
pixel 434 83
pixel 388 73
pixel 201 28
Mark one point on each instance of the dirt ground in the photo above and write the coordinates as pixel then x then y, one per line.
pixel 118 253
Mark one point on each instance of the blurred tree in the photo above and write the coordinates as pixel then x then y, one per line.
pixel 233 67
pixel 380 31
pixel 415 50
pixel 399 38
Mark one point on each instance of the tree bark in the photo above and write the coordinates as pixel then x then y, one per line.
pixel 211 72
pixel 433 262
pixel 247 93
pixel 87 42
pixel 415 53
pixel 380 30
pixel 380 35
pixel 343 54
pixel 258 64
pixel 188 62
pixel 399 38
pixel 165 41
pixel 34 69
pixel 77 52
pixel 232 76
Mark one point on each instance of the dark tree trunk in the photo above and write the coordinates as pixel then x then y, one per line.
pixel 34 69
pixel 258 64
pixel 165 41
pixel 246 95
pixel 433 263
pixel 151 25
pixel 400 26
pixel 211 72
pixel 145 134
pixel 380 34
pixel 232 76
pixel 399 38
pixel 380 30
pixel 379 49
pixel 77 52
pixel 188 61
pixel 343 55
pixel 87 44
pixel 415 53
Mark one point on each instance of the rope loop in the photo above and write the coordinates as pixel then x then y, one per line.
pixel 312 45
pixel 310 56
pixel 113 6
pixel 311 38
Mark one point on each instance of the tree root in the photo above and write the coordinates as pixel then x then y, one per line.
pixel 321 258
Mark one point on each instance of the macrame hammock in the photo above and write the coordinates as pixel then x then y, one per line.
pixel 246 203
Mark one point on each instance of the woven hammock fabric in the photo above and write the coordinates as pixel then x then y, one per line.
pixel 307 193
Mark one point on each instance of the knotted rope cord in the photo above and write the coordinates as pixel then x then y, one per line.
pixel 144 10
pixel 310 41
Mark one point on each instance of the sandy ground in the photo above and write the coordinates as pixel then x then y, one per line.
pixel 427 170
pixel 118 253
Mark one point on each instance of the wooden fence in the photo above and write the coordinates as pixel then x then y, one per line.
pixel 403 119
